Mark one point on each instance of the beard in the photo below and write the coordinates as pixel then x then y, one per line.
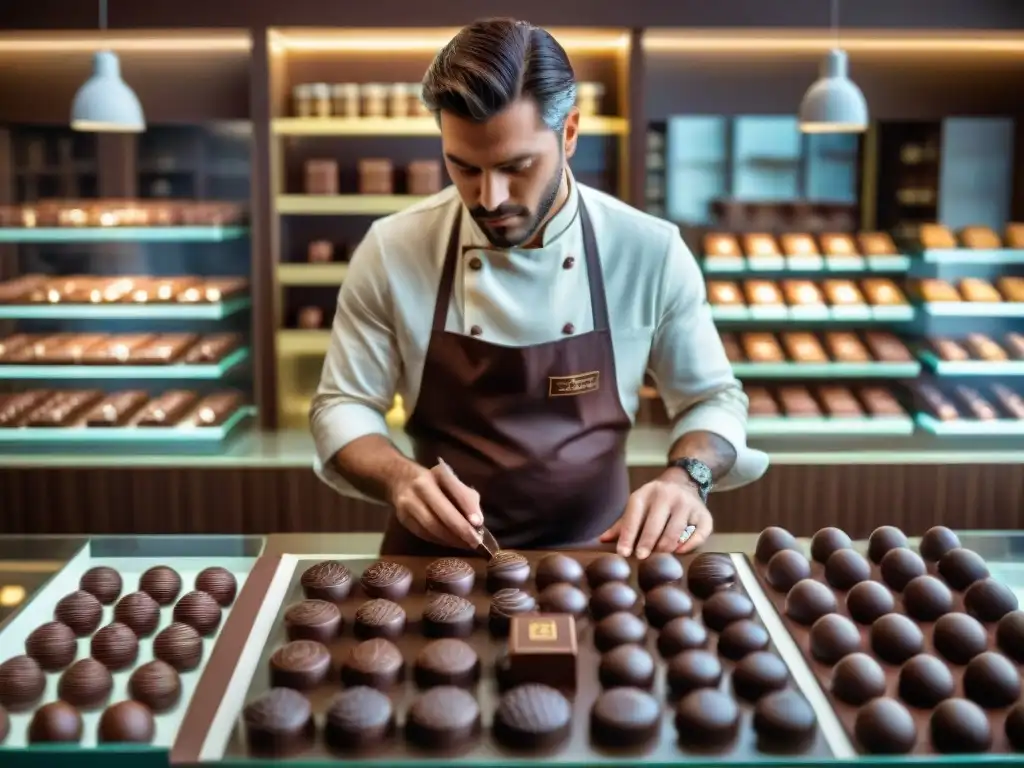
pixel 510 237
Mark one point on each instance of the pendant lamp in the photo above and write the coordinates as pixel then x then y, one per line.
pixel 105 103
pixel 834 103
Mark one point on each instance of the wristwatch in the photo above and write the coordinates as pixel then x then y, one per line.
pixel 698 471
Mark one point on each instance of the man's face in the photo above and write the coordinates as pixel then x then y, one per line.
pixel 508 170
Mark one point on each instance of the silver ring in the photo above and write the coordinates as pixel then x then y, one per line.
pixel 687 533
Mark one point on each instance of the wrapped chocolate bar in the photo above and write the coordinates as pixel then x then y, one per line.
pixel 721 246
pixel 212 290
pixel 1015 235
pixel 949 350
pixel 933 290
pixel 876 244
pixel 1009 401
pixel 978 290
pixel 879 402
pixel 978 237
pixel 213 348
pixel 797 402
pixel 802 293
pixel 1012 288
pixel 839 403
pixel 984 348
pixel 13 344
pixel 762 348
pixel 976 405
pixel 159 290
pixel 762 251
pixel 213 410
pixel 73 349
pixel 761 402
pixel 837 244
pixel 14 291
pixel 798 244
pixel 163 349
pixel 116 410
pixel 732 348
pixel 105 291
pixel 883 291
pixel 16 407
pixel 887 347
pixel 115 349
pixel 1014 343
pixel 722 293
pixel 843 293
pixel 936 404
pixel 63 408
pixel 845 347
pixel 803 347
pixel 935 237
pixel 167 409
pixel 39 350
pixel 762 293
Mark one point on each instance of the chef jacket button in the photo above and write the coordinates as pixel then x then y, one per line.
pixel 568 328
pixel 475 263
pixel 476 330
pixel 569 261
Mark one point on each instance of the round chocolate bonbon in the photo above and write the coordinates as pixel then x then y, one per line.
pixel 443 718
pixel 620 628
pixel 1010 635
pixel 659 569
pixel 375 663
pixel 115 646
pixel 710 572
pixel 808 601
pixel 126 722
pixel 85 684
pixel 783 718
pixel 56 722
pixel 925 681
pixel 960 726
pixel 692 670
pixel 895 638
pixel 103 583
pixel 926 598
pixel 869 601
pixel 664 603
pixel 1014 727
pixel 624 718
pixel 219 583
pixel 180 646
pixel 139 612
pixel 883 539
pixel 358 718
pixel 771 541
pixel 562 598
pixel 532 716
pixel 958 637
pixel 885 727
pixel 279 722
pixel 758 674
pixel 450 575
pixel 21 682
pixel 446 662
pixel 329 580
pixel 628 666
pixel 156 685
pixel 379 618
pixel 607 568
pixel 962 567
pixel 988 600
pixel 707 718
pixel 386 579
pixel 316 620
pixel 991 681
pixel 612 597
pixel 506 603
pixel 200 611
pixel 52 645
pixel 507 570
pixel 558 569
pixel 833 637
pixel 857 679
pixel 740 638
pixel 682 634
pixel 846 567
pixel 828 541
pixel 162 583
pixel 300 664
pixel 448 616
pixel 936 542
pixel 723 608
pixel 786 568
pixel 899 566
pixel 80 611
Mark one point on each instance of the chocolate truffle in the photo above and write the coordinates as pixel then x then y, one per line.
pixel 126 722
pixel 1014 727
pixel 507 570
pixel 620 628
pixel 279 722
pixel 21 682
pixel 450 575
pixel 139 612
pixel 628 666
pixel 936 542
pixel 448 616
pixel 682 634
pixel 834 636
pixel 162 583
pixel 443 718
pixel 899 566
pixel 219 583
pixel 827 541
pixel 991 680
pixel 612 597
pixel 300 664
pixel 375 663
pixel 562 598
pixel 658 569
pixel 808 601
pixel 386 579
pixel 80 611
pixel 505 604
pixel 103 583
pixel 624 718
pixel 883 539
pixel 446 662
pixel 885 727
pixel 53 645
pixel 85 684
pixel 962 567
pixel 316 620
pixel 707 718
pixel 740 638
pixel 180 646
pixel 710 572
pixel 200 611
pixel 926 598
pixel 895 638
pixel 1010 635
pixel 690 670
pixel 771 541
pixel 558 569
pixel 925 681
pixel 330 581
pixel 786 568
pixel 857 679
pixel 759 673
pixel 846 567
pixel 607 568
pixel 664 603
pixel 5 724
pixel 54 723
pixel 115 646
pixel 783 719
pixel 869 601
pixel 379 618
pixel 532 716
pixel 988 600
pixel 959 638
pixel 723 608
pixel 156 685
pixel 358 718
pixel 960 726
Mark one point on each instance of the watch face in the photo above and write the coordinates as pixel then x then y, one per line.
pixel 699 471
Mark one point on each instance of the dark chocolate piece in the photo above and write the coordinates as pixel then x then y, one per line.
pixel 300 664
pixel 710 572
pixel 707 718
pixel 628 666
pixel 833 637
pixel 723 608
pixel 786 568
pixel 375 663
pixel 691 670
pixel 21 682
pixel 329 580
pixel 139 611
pixel 659 569
pixel 936 542
pixel 563 598
pixel 52 645
pixel 379 618
pixel 542 649
pixel 624 718
pixel 783 719
pixel 532 716
pixel 826 541
pixel 446 662
pixel 115 646
pixel 771 541
pixel 5 724
pixel 883 539
pixel 758 674
pixel 895 638
pixel 857 679
pixel 155 684
pixel 868 601
pixel 443 718
pixel 960 726
pixel 740 638
pixel 180 646
pixel 215 409
pixel 212 348
pixel 988 600
pixel 450 575
pixel 607 568
pixel 386 579
pixel 166 411
pixel 962 567
pixel 505 604
pixel 926 598
pixel 1010 635
pixel 162 583
pixel 1014 727
pixel 925 681
pixel 992 681
pixel 316 620
pixel 63 408
pixel 219 583
pixel 958 637
pixel 86 684
pixel 56 722
pixel 899 566
pixel 682 634
pixel 279 722
pixel 359 718
pixel 558 569
pixel 666 602
pixel 126 722
pixel 116 410
pixel 80 611
pixel 448 615
pixel 885 727
pixel 507 570
pixel 103 583
pixel 611 597
pixel 620 628
pixel 808 601
pixel 200 611
pixel 846 567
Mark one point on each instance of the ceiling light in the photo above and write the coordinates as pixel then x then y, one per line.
pixel 834 103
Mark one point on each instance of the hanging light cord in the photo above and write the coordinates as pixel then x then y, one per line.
pixel 834 19
pixel 103 15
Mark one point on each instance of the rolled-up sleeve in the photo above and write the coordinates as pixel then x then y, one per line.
pixel 361 369
pixel 691 370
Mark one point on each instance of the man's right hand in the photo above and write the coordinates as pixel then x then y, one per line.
pixel 435 505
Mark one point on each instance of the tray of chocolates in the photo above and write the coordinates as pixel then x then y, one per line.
pixel 828 409
pixel 132 289
pixel 975 353
pixel 108 654
pixel 801 353
pixel 959 409
pixel 579 659
pixel 149 350
pixel 919 651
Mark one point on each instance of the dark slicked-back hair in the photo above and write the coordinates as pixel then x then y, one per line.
pixel 492 63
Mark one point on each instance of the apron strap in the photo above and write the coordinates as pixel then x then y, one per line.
pixel 444 288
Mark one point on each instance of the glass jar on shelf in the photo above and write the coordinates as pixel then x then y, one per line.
pixel 302 100
pixel 588 98
pixel 424 177
pixel 345 100
pixel 376 176
pixel 416 106
pixel 321 100
pixel 375 99
pixel 398 100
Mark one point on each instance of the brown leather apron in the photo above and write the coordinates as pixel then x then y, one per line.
pixel 538 431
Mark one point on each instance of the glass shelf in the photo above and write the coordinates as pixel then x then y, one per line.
pixel 153 372
pixel 122 234
pixel 124 311
pixel 971 367
pixel 826 370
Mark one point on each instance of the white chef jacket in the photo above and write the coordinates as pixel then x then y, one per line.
pixel 657 304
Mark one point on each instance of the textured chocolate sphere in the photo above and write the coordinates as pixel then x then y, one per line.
pixel 451 575
pixel 126 722
pixel 991 680
pixel 962 567
pixel 103 583
pixel 827 541
pixel 710 572
pixel 846 567
pixel 507 570
pixel 936 542
pixel 56 722
pixel 771 541
pixel 885 727
pixel 558 569
pixel 162 583
pixel 925 681
pixel 21 682
pixel 53 645
pixel 658 569
pixel 80 611
pixel 200 611
pixel 926 598
pixel 958 637
pixel 895 638
pixel 899 566
pixel 156 685
pixel 330 580
pixel 988 600
pixel 219 583
pixel 139 612
pixel 85 684
pixel 180 646
pixel 834 637
pixel 869 601
pixel 808 601
pixel 786 568
pixel 857 679
pixel 883 539
pixel 115 646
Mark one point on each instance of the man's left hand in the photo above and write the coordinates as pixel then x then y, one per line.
pixel 656 516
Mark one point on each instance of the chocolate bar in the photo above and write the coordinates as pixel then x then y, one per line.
pixel 843 293
pixel 50 291
pixel 802 293
pixel 845 347
pixel 936 403
pixel 979 407
pixel 838 245
pixel 762 348
pixel 115 349
pixel 879 402
pixel 979 237
pixel 109 291
pixel 761 402
pixel 800 244
pixel 760 245
pixel 213 410
pixel 839 402
pixel 936 236
pixel 1014 343
pixel 212 348
pixel 14 291
pixel 116 410
pixel 933 289
pixel 213 290
pixel 542 649
pixel 797 401
pixel 166 410
pixel 721 246
pixel 320 251
pixel 984 348
pixel 1010 401
pixel 1012 288
pixel 732 348
pixel 804 348
pixel 157 290
pixel 17 406
pixel 39 349
pixel 887 347
pixel 73 349
pixel 876 244
pixel 63 408
pixel 163 349
pixel 976 289
pixel 724 293
pixel 881 291
pixel 949 350
pixel 12 344
pixel 1015 235
pixel 762 293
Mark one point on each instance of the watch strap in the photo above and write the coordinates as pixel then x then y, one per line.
pixel 698 472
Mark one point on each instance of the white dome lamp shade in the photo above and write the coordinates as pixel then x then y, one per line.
pixel 834 103
pixel 105 103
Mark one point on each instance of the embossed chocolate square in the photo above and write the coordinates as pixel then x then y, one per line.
pixel 542 649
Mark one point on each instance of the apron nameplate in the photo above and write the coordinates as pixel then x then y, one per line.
pixel 577 384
